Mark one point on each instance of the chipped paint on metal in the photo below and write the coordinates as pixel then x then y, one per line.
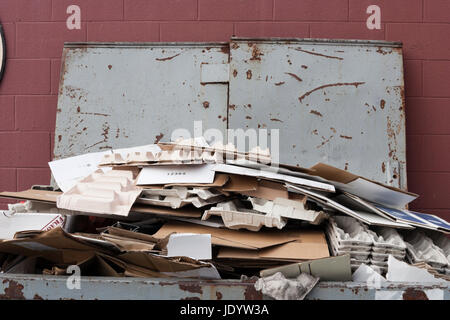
pixel 338 78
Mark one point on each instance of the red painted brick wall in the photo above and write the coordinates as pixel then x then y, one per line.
pixel 35 31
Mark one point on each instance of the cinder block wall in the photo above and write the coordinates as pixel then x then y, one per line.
pixel 36 30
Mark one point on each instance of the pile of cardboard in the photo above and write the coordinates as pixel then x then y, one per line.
pixel 189 209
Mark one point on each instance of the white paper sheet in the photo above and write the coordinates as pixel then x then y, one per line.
pixel 195 246
pixel 68 171
pixel 202 173
pixel 9 225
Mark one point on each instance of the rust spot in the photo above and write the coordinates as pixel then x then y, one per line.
pixel 289 61
pixel 293 75
pixel 109 67
pixel 374 109
pixel 317 113
pixel 356 84
pixel 225 49
pixel 249 106
pixel 206 104
pixel 219 116
pixel 59 138
pixel 234 45
pixel 117 133
pixel 13 292
pixel 78 109
pixel 248 117
pixel 345 137
pixel 346 166
pixel 224 119
pixel 324 142
pixel 333 129
pixel 315 132
pixel 94 114
pixel 319 54
pixel 249 74
pixel 256 53
pixel 382 104
pixel 232 106
pixel 218 295
pixel 191 287
pixel 383 167
pixel 37 297
pixel 304 67
pixel 414 294
pixel 279 83
pixel 275 119
pixel 167 58
pixel 250 293
pixel 159 137
pixel 380 50
pixel 235 73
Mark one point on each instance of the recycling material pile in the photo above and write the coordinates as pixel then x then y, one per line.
pixel 190 210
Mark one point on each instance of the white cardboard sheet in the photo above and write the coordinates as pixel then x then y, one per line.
pixel 202 173
pixel 195 246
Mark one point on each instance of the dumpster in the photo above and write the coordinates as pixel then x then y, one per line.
pixel 335 101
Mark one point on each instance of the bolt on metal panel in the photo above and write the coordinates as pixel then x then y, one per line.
pixel 340 102
pixel 120 95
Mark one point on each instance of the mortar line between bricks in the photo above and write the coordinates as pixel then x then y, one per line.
pixel 198 10
pixel 423 10
pixel 348 10
pixel 427 171
pixel 273 10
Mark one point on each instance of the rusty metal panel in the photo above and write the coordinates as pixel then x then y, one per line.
pixel 17 286
pixel 121 94
pixel 335 101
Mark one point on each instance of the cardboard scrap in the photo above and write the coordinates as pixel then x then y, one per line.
pixel 232 238
pixel 365 188
pixel 327 269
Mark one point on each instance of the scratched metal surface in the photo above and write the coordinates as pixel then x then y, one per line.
pixel 43 287
pixel 338 102
pixel 120 95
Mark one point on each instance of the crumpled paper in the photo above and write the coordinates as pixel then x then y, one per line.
pixel 280 288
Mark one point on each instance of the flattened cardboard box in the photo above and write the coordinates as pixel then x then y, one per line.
pixel 365 188
pixel 309 245
pixel 63 249
pixel 242 239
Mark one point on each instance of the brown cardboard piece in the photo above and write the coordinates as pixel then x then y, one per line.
pixel 237 183
pixel 365 188
pixel 310 244
pixel 268 190
pixel 61 248
pixel 232 238
pixel 35 195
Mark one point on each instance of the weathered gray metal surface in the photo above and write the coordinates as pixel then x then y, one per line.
pixel 17 286
pixel 13 286
pixel 340 102
pixel 361 291
pixel 120 95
